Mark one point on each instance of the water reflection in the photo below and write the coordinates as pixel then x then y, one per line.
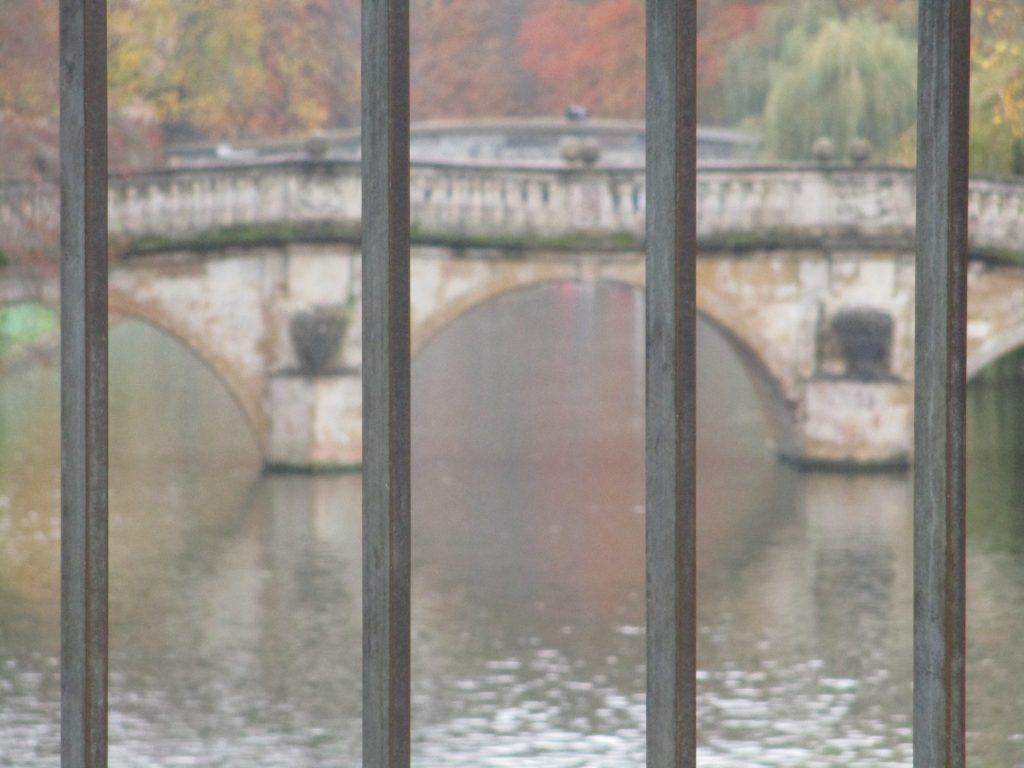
pixel 235 597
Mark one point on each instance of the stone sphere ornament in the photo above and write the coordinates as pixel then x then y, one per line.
pixel 823 150
pixel 590 151
pixel 317 147
pixel 859 150
pixel 569 148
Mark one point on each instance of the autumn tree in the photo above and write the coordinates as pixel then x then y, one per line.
pixel 28 88
pixel 29 97
pixel 593 53
pixel 725 23
pixel 997 86
pixel 309 55
pixel 462 62
pixel 28 58
pixel 587 53
pixel 237 67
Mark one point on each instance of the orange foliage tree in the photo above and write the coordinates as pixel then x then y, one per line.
pixel 309 56
pixel 592 53
pixel 461 62
pixel 587 53
pixel 28 58
pixel 723 25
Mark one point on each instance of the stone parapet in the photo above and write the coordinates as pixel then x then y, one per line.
pixel 738 206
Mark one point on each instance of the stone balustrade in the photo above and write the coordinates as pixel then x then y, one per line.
pixel 746 206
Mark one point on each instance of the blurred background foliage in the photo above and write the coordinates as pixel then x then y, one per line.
pixel 788 71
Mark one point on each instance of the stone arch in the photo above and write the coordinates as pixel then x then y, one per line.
pixel 995 315
pixel 15 291
pixel 457 306
pixel 994 349
pixel 778 411
pixel 28 289
pixel 247 395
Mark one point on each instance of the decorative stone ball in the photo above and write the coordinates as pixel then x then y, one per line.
pixel 317 147
pixel 590 151
pixel 859 150
pixel 569 147
pixel 823 150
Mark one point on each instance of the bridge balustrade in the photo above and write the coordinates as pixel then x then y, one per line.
pixel 750 206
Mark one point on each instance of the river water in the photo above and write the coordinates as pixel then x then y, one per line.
pixel 235 608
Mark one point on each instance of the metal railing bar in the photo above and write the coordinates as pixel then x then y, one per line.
pixel 83 374
pixel 940 383
pixel 386 384
pixel 671 383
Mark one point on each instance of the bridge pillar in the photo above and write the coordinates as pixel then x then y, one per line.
pixel 316 421
pixel 856 410
pixel 849 424
pixel 314 393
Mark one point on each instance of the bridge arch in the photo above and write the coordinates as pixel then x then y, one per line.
pixel 777 412
pixel 247 395
pixel 995 349
pixel 434 323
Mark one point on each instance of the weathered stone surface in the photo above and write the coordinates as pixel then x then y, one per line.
pixel 854 424
pixel 737 206
pixel 315 422
pixel 788 254
pixel 777 308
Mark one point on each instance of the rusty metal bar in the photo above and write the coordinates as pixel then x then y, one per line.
pixel 386 394
pixel 83 224
pixel 940 383
pixel 671 383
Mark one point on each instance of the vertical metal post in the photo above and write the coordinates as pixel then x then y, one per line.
pixel 83 221
pixel 940 383
pixel 671 383
pixel 386 432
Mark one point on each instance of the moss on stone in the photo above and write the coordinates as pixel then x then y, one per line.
pixel 257 235
pixel 251 235
pixel 570 241
pixel 998 256
pixel 276 467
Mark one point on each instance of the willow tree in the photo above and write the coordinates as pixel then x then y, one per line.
pixel 850 78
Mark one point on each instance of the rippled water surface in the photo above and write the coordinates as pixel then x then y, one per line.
pixel 235 626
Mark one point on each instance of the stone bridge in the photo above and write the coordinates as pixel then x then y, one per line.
pixel 806 270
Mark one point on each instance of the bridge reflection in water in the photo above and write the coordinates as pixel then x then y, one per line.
pixel 235 611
